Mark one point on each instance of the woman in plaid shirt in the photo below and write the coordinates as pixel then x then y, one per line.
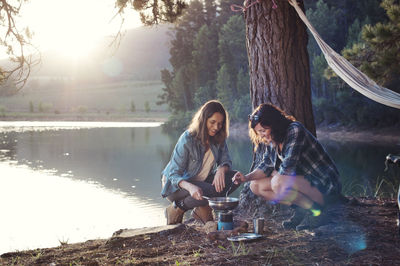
pixel 296 170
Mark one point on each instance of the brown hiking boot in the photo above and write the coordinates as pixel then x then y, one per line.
pixel 203 214
pixel 174 214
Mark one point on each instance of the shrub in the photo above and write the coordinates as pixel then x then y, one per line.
pixel 31 107
pixel 241 108
pixel 178 122
pixel 133 107
pixel 146 107
pixel 2 111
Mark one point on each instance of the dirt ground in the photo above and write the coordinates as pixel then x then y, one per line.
pixel 361 232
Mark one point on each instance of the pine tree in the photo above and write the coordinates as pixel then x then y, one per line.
pixel 179 87
pixel 224 89
pixel 205 57
pixel 232 50
pixel 379 54
pixel 324 20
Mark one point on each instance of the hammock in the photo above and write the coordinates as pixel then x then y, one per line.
pixel 351 75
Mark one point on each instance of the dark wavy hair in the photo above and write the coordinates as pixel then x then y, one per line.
pixel 269 115
pixel 198 126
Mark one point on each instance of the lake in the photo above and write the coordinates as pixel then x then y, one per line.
pixel 66 182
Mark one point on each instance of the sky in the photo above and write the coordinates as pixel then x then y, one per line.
pixel 72 27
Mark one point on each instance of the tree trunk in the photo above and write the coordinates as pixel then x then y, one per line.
pixel 278 59
pixel 279 74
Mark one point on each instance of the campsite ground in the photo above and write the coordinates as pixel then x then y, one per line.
pixel 361 232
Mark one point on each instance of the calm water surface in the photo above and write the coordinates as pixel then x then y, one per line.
pixel 75 181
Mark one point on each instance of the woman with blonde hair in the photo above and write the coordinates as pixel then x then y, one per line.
pixel 199 166
pixel 295 170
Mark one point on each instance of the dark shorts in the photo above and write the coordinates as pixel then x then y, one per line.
pixel 330 186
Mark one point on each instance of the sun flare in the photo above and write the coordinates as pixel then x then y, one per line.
pixel 72 28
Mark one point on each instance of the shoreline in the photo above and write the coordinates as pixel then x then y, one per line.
pixel 382 136
pixel 379 136
pixel 386 136
pixel 152 116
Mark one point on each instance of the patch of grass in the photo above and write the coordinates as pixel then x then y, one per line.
pixel 237 250
pixel 356 190
pixel 63 242
pixel 15 260
pixel 382 187
pixel 196 253
pixel 37 256
pixel 106 96
pixel 385 188
pixel 271 253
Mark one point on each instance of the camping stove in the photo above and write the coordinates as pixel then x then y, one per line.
pixel 223 207
pixel 225 220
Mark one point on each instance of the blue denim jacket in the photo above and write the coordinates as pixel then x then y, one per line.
pixel 187 160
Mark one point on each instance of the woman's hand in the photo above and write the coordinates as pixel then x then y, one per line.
pixel 238 178
pixel 219 179
pixel 196 192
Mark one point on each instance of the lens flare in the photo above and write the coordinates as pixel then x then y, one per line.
pixel 315 212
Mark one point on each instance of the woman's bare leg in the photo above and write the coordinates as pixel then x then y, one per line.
pixel 262 187
pixel 287 190
pixel 297 190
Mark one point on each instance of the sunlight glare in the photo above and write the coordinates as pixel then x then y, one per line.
pixel 43 209
pixel 72 28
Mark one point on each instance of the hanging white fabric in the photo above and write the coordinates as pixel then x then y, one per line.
pixel 350 74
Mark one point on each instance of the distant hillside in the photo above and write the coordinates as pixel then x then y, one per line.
pixel 141 54
pixel 99 83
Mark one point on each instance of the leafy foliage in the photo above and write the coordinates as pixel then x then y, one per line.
pixel 209 61
pixel 379 53
pixel 154 11
pixel 373 49
pixel 201 72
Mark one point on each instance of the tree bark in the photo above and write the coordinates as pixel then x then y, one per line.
pixel 279 74
pixel 278 59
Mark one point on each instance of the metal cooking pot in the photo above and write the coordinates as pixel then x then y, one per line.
pixel 222 203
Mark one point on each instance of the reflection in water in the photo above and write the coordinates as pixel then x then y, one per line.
pixel 40 210
pixel 99 180
pixel 362 166
pixel 147 135
pixel 108 156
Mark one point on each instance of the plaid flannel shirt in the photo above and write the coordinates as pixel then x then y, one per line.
pixel 303 155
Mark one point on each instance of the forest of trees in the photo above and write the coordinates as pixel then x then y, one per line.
pixel 209 60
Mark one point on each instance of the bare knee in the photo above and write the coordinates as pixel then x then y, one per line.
pixel 254 187
pixel 261 186
pixel 279 185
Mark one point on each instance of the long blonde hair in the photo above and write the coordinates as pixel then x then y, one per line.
pixel 198 126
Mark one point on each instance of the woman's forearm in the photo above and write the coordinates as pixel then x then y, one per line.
pixel 184 184
pixel 255 175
